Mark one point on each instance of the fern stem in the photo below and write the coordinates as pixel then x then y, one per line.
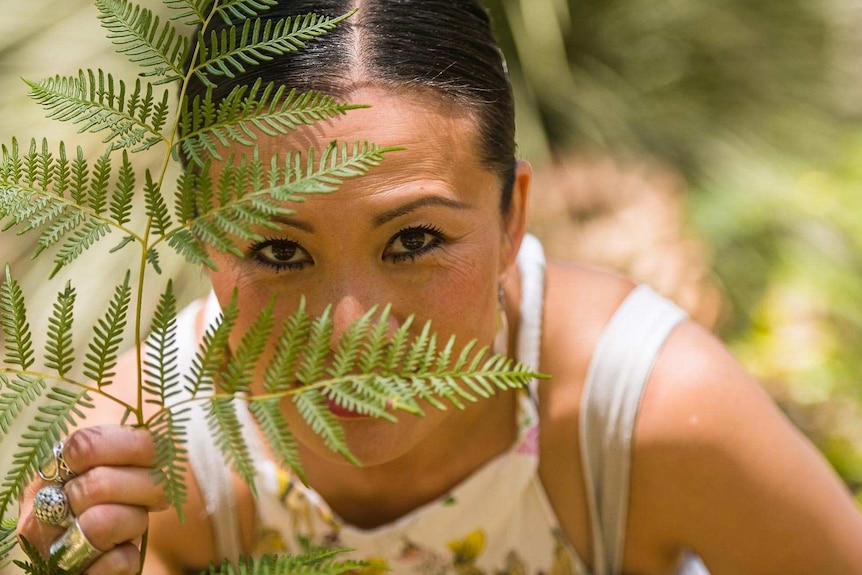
pixel 171 141
pixel 70 382
pixel 90 213
pixel 323 383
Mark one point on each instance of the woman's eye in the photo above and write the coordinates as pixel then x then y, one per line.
pixel 281 254
pixel 412 243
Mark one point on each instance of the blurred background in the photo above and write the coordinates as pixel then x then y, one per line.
pixel 710 149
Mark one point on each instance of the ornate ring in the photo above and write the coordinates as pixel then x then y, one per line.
pixel 54 468
pixel 73 550
pixel 51 506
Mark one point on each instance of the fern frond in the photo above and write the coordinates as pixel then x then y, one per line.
pixel 18 340
pixel 349 345
pixel 121 199
pixel 154 259
pixel 63 410
pixel 8 540
pixel 312 406
pixel 315 563
pixel 376 343
pixel 232 50
pixel 107 336
pixel 313 364
pixel 97 197
pixel 279 374
pixel 98 103
pixel 211 355
pixel 139 35
pixel 226 428
pixel 188 246
pixel 227 208
pixel 170 465
pixel 38 565
pixel 237 375
pixel 248 110
pixel 193 12
pixel 162 377
pixel 18 394
pixel 359 398
pixel 59 353
pixel 84 238
pixel 157 209
pixel 243 9
pixel 276 431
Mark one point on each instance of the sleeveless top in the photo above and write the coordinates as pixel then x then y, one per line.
pixel 499 519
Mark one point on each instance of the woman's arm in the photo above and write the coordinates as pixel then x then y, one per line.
pixel 718 469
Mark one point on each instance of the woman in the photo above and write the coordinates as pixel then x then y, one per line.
pixel 649 442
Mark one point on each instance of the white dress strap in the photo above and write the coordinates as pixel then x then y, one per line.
pixel 531 265
pixel 213 475
pixel 617 376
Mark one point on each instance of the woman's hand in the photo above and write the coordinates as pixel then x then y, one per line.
pixel 111 495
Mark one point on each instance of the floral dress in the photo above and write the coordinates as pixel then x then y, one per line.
pixel 498 521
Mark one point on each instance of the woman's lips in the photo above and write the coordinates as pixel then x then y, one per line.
pixel 343 412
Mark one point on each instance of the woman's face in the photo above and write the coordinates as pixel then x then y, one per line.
pixel 423 231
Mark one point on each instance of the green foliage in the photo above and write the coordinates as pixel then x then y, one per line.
pixel 8 540
pixel 234 49
pixel 39 565
pixel 269 109
pixel 100 103
pixel 59 354
pixel 217 204
pixel 682 81
pixel 139 36
pixel 314 563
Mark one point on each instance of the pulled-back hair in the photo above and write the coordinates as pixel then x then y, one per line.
pixel 445 46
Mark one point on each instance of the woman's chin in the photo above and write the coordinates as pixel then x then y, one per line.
pixel 372 441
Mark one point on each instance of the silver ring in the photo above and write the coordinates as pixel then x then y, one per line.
pixel 73 550
pixel 55 468
pixel 51 506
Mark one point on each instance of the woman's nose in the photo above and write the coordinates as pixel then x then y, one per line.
pixel 348 309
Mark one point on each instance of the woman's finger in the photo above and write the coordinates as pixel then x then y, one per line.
pixel 126 485
pixel 123 559
pixel 108 445
pixel 110 525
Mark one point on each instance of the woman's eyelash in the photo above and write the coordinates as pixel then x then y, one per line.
pixel 256 253
pixel 435 243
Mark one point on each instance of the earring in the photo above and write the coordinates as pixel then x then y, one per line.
pixel 501 338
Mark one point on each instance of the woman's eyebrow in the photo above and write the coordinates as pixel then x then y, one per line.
pixel 416 204
pixel 294 223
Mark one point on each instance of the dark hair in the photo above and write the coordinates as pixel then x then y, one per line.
pixel 445 46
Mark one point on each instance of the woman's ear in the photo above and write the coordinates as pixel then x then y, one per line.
pixel 515 221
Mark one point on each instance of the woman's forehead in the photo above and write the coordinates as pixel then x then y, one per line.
pixel 438 140
pixel 394 118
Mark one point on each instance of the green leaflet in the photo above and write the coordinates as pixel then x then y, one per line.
pixel 94 100
pixel 8 540
pixel 170 467
pixel 245 111
pixel 139 35
pixel 192 12
pixel 63 410
pixel 230 10
pixel 107 337
pixel 234 50
pixel 59 354
pixel 162 378
pixel 312 563
pixel 13 319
